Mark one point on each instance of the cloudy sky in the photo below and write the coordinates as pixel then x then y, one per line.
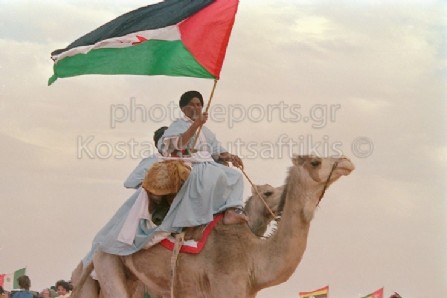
pixel 366 79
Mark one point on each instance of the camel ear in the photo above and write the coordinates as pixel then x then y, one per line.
pixel 298 160
pixel 253 190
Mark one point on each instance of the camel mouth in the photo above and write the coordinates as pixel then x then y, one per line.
pixel 345 166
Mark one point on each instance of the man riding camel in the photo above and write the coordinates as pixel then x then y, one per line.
pixel 211 187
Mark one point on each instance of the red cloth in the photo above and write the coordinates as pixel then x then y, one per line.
pixel 169 243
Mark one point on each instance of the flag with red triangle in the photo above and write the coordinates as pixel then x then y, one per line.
pixel 377 294
pixel 172 37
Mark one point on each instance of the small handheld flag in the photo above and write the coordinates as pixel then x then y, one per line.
pixel 377 294
pixel 320 293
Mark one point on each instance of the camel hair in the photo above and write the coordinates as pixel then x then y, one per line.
pixel 259 218
pixel 234 263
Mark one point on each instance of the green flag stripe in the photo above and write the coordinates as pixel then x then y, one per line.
pixel 153 57
pixel 17 274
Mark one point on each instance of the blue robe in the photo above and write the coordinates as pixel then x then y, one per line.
pixel 210 188
pixel 207 140
pixel 137 176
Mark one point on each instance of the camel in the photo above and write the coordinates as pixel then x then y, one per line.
pixel 234 263
pixel 259 219
pixel 259 216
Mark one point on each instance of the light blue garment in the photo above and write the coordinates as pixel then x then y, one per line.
pixel 137 176
pixel 106 238
pixel 210 189
pixel 195 204
pixel 179 126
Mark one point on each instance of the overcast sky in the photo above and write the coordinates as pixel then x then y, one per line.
pixel 368 79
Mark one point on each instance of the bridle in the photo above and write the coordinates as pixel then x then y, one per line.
pixel 334 166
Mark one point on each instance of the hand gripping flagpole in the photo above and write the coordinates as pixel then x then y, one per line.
pixel 206 111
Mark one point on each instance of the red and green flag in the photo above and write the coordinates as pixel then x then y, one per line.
pixel 320 293
pixel 173 38
pixel 376 294
pixel 9 281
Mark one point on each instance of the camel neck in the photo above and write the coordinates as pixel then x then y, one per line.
pixel 286 247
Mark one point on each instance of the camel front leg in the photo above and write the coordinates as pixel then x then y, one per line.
pixel 111 275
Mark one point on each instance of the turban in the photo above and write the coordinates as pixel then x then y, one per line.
pixel 188 96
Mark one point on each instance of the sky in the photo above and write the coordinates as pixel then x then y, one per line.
pixel 366 79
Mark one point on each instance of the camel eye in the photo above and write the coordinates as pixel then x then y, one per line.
pixel 315 163
pixel 268 193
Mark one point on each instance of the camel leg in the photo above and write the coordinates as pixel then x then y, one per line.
pixel 111 275
pixel 84 285
pixel 90 288
pixel 138 289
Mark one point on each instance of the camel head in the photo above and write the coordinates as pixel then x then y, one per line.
pixel 312 175
pixel 258 214
pixel 318 170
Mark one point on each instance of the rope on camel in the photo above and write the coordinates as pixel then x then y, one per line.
pixel 179 239
pixel 257 192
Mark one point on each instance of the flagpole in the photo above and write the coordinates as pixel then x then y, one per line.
pixel 206 111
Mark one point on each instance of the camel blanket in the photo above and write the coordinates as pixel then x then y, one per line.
pixel 191 246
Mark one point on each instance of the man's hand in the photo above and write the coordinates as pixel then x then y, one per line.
pixel 234 159
pixel 201 120
pixel 237 161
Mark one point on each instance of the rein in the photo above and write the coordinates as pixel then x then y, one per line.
pixel 259 195
pixel 327 182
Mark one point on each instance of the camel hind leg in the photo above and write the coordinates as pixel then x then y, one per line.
pixel 111 275
pixel 84 285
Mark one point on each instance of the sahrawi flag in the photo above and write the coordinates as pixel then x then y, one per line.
pixel 9 281
pixel 320 293
pixel 376 294
pixel 174 37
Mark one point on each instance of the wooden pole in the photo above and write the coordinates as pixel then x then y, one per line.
pixel 206 110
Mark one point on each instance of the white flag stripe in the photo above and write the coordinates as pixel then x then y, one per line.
pixel 8 283
pixel 169 33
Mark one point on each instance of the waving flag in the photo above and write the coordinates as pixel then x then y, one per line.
pixel 173 37
pixel 9 281
pixel 320 293
pixel 376 294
